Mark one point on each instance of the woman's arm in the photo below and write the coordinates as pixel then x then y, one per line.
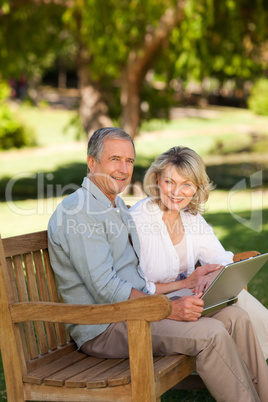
pixel 198 276
pixel 164 288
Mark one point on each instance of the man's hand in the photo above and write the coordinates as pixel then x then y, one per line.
pixel 187 308
pixel 199 272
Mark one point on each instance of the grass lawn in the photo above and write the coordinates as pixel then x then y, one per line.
pixel 37 178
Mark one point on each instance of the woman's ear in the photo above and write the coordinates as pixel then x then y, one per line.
pixel 90 163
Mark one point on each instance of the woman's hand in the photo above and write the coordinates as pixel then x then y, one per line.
pixel 205 281
pixel 199 272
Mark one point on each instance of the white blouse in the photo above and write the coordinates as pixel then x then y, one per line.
pixel 159 259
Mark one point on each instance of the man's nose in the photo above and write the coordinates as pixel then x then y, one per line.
pixel 123 167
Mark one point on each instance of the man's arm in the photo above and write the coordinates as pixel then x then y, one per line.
pixel 136 293
pixel 187 308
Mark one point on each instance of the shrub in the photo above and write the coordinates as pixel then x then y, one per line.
pixel 13 133
pixel 258 100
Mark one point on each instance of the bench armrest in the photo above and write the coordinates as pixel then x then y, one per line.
pixel 148 308
pixel 244 255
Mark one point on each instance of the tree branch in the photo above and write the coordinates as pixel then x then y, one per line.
pixel 140 60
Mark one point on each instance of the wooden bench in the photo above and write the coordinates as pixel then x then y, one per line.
pixel 40 360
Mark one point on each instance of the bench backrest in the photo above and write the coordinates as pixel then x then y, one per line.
pixel 26 275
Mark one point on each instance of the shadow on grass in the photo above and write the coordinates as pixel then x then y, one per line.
pixel 187 396
pixel 62 181
pixel 68 178
pixel 225 176
pixel 238 238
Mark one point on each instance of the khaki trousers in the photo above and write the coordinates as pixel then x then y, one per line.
pixel 228 355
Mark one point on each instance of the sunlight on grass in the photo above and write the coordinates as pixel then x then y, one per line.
pixel 46 160
pixel 242 200
pixel 152 147
pixel 223 116
pixel 49 124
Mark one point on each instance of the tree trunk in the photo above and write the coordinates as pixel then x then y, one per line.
pixel 93 110
pixel 139 62
pixel 130 101
pixel 62 75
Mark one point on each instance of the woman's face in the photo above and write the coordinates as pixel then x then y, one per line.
pixel 176 191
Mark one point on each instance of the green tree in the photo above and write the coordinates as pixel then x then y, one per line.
pixel 188 39
pixel 32 38
pixel 115 44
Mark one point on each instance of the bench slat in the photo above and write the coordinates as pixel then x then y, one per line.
pixel 162 366
pixel 50 357
pixel 123 377
pixel 62 334
pixel 80 380
pixel 34 296
pixel 23 297
pixel 58 379
pixel 43 290
pixel 102 380
pixel 37 376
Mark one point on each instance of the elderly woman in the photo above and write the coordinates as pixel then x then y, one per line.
pixel 174 236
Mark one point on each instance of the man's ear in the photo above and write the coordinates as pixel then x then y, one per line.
pixel 91 163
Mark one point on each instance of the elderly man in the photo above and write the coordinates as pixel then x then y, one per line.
pixel 94 251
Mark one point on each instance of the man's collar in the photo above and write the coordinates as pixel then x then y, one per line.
pixel 97 193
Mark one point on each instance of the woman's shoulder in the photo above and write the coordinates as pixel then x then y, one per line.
pixel 145 204
pixel 197 221
pixel 144 209
pixel 138 205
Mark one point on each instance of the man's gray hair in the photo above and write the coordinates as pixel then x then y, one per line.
pixel 96 142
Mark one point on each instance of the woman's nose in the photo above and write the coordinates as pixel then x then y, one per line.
pixel 176 190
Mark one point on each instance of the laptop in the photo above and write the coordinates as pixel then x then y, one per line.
pixel 223 291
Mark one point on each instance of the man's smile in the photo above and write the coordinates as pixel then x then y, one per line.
pixel 119 178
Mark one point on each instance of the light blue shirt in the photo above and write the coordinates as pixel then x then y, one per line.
pixel 94 252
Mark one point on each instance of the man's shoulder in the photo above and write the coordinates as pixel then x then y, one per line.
pixel 121 203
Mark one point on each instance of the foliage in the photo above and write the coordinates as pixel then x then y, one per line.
pixel 103 39
pixel 12 132
pixel 32 38
pixel 219 40
pixel 258 100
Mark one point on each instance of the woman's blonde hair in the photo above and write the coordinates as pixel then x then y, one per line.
pixel 189 165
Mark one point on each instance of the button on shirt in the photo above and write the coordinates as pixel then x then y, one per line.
pixel 94 252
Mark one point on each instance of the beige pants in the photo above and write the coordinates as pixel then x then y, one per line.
pixel 259 317
pixel 228 354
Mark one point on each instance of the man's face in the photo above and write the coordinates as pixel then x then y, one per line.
pixel 113 172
